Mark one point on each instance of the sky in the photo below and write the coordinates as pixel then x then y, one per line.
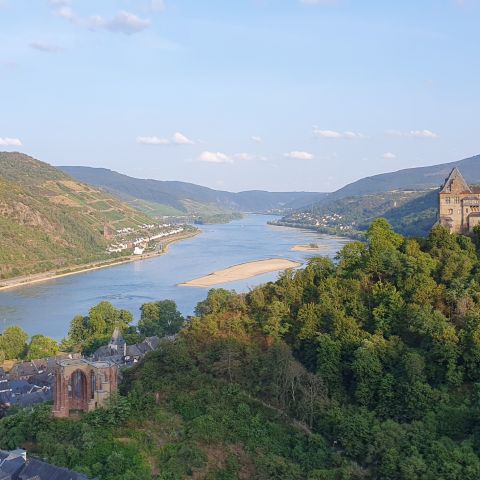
pixel 278 95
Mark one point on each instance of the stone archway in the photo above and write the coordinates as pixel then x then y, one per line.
pixel 78 390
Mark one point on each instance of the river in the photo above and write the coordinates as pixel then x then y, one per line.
pixel 48 307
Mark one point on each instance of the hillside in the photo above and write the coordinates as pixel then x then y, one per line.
pixel 406 198
pixel 187 198
pixel 48 220
pixel 411 213
pixel 366 368
pixel 420 178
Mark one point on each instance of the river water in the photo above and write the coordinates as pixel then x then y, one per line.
pixel 48 307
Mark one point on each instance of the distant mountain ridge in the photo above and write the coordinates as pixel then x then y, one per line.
pixel 188 197
pixel 417 178
pixel 406 198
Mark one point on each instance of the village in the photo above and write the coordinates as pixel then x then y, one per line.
pixel 144 237
pixel 32 382
pixel 318 221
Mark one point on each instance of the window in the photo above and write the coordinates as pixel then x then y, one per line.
pixel 457 199
pixel 450 211
pixel 448 200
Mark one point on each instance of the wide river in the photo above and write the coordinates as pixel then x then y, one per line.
pixel 48 307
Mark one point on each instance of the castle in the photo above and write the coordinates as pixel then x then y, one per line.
pixel 459 204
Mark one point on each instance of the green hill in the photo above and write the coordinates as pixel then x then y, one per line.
pixel 419 178
pixel 188 198
pixel 406 198
pixel 411 213
pixel 366 368
pixel 49 220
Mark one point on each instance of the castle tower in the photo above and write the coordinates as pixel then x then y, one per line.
pixel 459 204
pixel 118 343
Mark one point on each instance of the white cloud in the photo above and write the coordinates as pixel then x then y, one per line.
pixel 180 139
pixel 353 135
pixel 152 141
pixel 45 47
pixel 123 22
pixel 10 142
pixel 249 156
pixel 66 13
pixel 177 139
pixel 215 157
pixel 389 156
pixel 256 138
pixel 319 133
pixel 297 155
pixel 413 134
pixel 423 134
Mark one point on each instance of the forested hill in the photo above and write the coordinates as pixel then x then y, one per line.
pixel 367 368
pixel 49 220
pixel 188 197
pixel 407 198
pixel 420 178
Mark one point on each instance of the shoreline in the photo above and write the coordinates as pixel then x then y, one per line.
pixel 309 249
pixel 10 283
pixel 241 271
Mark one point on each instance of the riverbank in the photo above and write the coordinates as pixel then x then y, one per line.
pixel 309 248
pixel 55 274
pixel 241 272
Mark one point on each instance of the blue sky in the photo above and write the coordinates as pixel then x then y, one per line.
pixel 241 94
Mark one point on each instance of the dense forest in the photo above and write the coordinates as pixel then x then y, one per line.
pixel 366 367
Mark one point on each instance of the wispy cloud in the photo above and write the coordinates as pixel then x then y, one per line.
pixel 249 157
pixel 180 139
pixel 215 157
pixel 152 140
pixel 177 139
pixel 299 155
pixel 220 157
pixel 123 22
pixel 319 133
pixel 45 47
pixel 413 134
pixel 389 156
pixel 256 138
pixel 10 142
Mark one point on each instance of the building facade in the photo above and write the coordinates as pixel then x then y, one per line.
pixel 459 204
pixel 83 385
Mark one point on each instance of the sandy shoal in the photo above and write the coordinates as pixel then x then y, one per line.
pixel 308 248
pixel 241 272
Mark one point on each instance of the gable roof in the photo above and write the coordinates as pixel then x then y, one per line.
pixel 455 183
pixel 16 465
pixel 117 338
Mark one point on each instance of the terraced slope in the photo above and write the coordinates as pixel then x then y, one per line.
pixel 48 220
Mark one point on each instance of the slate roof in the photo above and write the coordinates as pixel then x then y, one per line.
pixel 456 180
pixel 117 338
pixel 16 466
pixel 136 351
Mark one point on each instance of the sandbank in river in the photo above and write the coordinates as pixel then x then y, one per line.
pixel 241 272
